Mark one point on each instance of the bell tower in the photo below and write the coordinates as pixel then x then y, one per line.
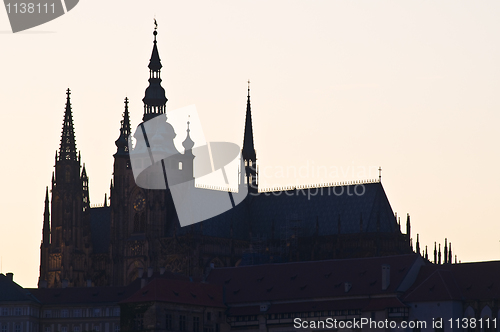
pixel 67 254
pixel 154 97
pixel 143 216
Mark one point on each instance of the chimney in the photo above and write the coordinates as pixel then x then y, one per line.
pixel 386 276
pixel 10 276
pixel 162 270
pixel 65 283
pixel 89 283
pixel 150 272
pixel 141 272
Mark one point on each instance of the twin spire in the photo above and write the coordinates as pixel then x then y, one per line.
pixel 122 141
pixel 248 150
pixel 67 149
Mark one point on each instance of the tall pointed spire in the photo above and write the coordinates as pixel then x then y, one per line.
pixel 248 147
pixel 122 141
pixel 248 151
pixel 46 220
pixel 154 61
pixel 154 97
pixel 67 150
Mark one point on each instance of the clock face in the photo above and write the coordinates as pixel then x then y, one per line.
pixel 139 203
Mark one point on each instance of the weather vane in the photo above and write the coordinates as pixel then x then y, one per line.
pixel 156 24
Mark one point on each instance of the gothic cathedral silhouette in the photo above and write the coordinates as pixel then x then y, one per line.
pixel 139 230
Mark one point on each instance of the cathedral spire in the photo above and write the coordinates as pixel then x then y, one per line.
pixel 122 141
pixel 248 147
pixel 67 150
pixel 46 220
pixel 248 151
pixel 154 97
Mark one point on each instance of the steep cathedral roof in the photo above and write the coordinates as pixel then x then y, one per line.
pixel 362 207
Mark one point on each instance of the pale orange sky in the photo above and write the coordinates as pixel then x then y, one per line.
pixel 350 86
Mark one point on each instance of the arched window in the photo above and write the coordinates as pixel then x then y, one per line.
pixel 180 165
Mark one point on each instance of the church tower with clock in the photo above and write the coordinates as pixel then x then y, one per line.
pixel 141 218
pixel 139 231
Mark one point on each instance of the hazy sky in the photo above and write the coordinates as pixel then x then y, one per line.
pixel 346 86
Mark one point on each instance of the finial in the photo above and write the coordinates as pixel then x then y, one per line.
pixel 126 102
pixel 380 174
pixel 248 88
pixel 188 142
pixel 155 32
pixel 68 93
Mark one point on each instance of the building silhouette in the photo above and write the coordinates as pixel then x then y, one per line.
pixel 139 229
